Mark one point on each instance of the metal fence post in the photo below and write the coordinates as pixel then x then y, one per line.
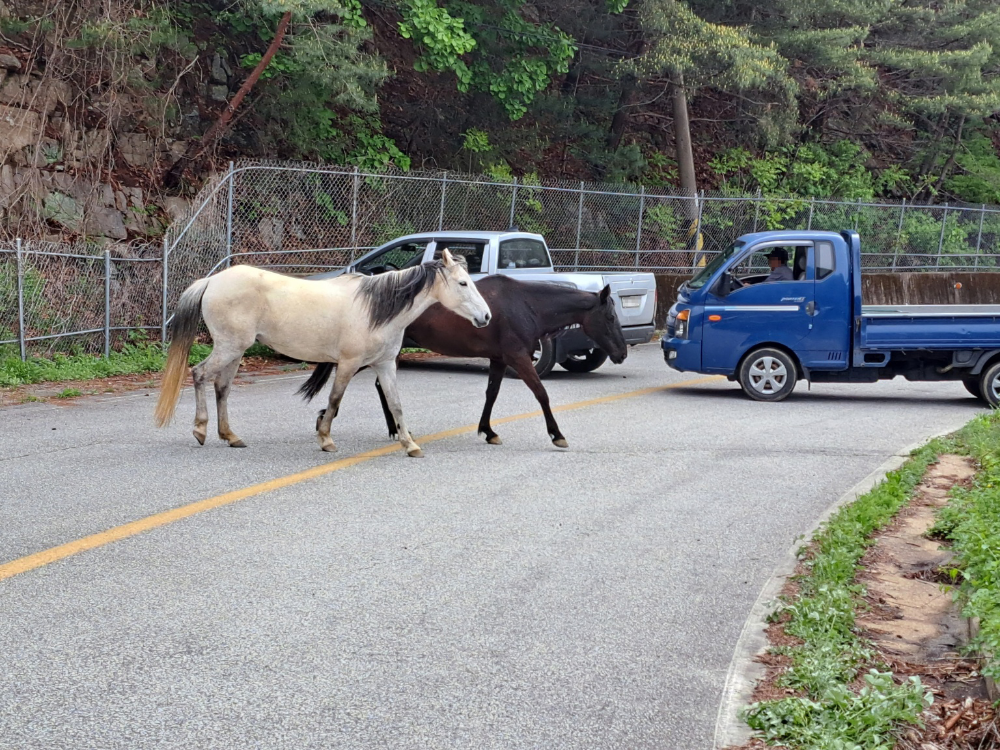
pixel 979 239
pixel 857 215
pixel 20 299
pixel 899 235
pixel 354 214
pixel 229 219
pixel 697 226
pixel 444 184
pixel 163 323
pixel 756 210
pixel 638 231
pixel 812 205
pixel 107 303
pixel 513 204
pixel 944 222
pixel 579 226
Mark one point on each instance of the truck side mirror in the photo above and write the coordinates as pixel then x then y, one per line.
pixel 725 284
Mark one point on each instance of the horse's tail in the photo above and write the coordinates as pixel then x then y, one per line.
pixel 183 329
pixel 316 381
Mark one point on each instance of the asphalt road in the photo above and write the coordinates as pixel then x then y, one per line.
pixel 516 596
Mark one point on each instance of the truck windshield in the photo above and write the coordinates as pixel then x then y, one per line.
pixel 705 274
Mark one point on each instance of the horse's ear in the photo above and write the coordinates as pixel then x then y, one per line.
pixel 605 293
pixel 446 257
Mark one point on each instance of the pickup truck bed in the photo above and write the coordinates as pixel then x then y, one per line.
pixel 929 327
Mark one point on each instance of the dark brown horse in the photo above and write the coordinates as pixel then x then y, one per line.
pixel 523 312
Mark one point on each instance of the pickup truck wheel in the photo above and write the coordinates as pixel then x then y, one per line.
pixel 768 375
pixel 543 359
pixel 972 386
pixel 584 362
pixel 989 382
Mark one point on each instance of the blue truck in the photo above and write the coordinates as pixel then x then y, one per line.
pixel 767 327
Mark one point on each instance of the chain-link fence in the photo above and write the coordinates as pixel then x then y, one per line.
pixel 301 219
pixel 72 298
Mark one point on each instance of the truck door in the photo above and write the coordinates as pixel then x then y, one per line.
pixel 764 306
pixel 829 342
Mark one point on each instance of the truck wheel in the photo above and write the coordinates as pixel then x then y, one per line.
pixel 768 375
pixel 585 362
pixel 543 358
pixel 972 386
pixel 989 382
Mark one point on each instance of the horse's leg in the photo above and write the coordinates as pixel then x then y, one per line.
pixel 205 372
pixel 497 369
pixel 526 371
pixel 223 382
pixel 200 407
pixel 386 372
pixel 390 421
pixel 345 371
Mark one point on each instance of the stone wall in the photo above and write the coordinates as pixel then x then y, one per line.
pixel 60 180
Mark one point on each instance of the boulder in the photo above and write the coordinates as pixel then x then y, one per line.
pixel 218 93
pixel 105 222
pixel 9 62
pixel 19 128
pixel 220 69
pixel 137 149
pixel 176 208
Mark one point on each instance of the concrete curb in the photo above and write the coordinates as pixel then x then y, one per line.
pixel 744 672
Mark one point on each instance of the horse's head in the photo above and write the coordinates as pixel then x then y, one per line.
pixel 601 324
pixel 459 294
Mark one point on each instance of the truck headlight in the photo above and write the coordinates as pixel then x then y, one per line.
pixel 681 324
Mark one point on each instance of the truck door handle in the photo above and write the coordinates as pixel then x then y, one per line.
pixel 810 308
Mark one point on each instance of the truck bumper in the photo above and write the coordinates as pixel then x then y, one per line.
pixel 682 354
pixel 574 340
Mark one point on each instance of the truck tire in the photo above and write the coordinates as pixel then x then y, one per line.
pixel 585 362
pixel 989 383
pixel 544 359
pixel 972 386
pixel 768 374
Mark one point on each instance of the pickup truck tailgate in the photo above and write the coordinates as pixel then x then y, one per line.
pixel 635 297
pixel 930 326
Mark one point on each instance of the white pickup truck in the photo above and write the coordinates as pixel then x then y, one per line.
pixel 523 255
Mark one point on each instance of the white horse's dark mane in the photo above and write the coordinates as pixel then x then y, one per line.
pixel 390 294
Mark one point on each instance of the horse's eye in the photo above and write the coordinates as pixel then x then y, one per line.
pixel 463 283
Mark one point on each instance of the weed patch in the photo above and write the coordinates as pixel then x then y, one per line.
pixel 827 712
pixel 135 357
pixel 971 522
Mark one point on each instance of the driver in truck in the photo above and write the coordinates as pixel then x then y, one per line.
pixel 777 259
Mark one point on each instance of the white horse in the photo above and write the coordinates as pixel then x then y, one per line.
pixel 355 321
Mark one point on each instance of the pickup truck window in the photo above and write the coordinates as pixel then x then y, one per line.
pixel 706 273
pixel 826 260
pixel 522 254
pixel 473 252
pixel 403 255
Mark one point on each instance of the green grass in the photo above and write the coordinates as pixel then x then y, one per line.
pixel 135 357
pixel 971 521
pixel 825 713
pixel 69 393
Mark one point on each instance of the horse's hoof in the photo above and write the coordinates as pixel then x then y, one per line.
pixel 415 453
pixel 199 436
pixel 495 440
pixel 329 448
pixel 237 444
pixel 560 443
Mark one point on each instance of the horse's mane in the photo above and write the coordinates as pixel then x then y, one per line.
pixel 389 295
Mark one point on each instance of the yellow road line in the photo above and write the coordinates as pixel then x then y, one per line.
pixel 53 554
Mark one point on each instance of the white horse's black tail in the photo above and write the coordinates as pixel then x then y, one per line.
pixel 316 381
pixel 183 329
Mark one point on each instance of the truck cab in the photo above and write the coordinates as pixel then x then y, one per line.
pixel 767 331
